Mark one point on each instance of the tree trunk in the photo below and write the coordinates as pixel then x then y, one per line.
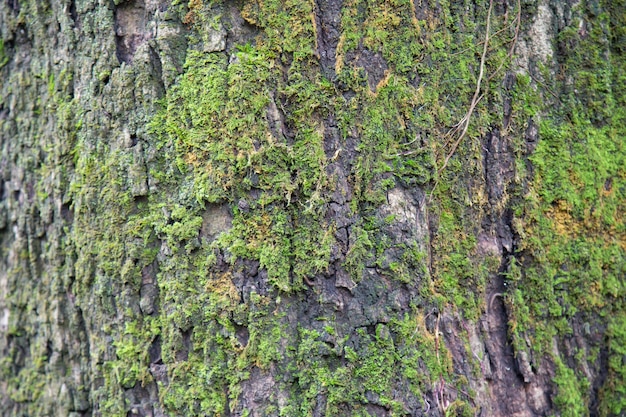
pixel 312 208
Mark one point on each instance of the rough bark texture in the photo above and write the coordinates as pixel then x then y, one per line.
pixel 312 208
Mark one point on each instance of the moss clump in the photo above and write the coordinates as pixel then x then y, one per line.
pixel 571 220
pixel 571 391
pixel 613 394
pixel 254 139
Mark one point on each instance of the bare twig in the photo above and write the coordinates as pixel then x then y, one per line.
pixel 463 125
pixel 442 403
pixel 493 297
pixel 465 121
pixel 513 41
pixel 544 85
pixel 519 22
pixel 437 338
pixel 477 96
pixel 504 29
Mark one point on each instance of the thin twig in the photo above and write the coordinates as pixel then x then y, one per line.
pixel 493 297
pixel 519 22
pixel 544 85
pixel 465 121
pixel 440 396
pixel 504 29
pixel 513 41
pixel 477 95
pixel 437 338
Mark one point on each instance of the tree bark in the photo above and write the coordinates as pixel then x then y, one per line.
pixel 312 208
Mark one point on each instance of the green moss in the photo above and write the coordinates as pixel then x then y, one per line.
pixel 132 351
pixel 231 145
pixel 4 59
pixel 569 399
pixel 572 223
pixel 365 364
pixel 613 393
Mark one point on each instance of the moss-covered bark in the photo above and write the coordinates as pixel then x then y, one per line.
pixel 312 208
